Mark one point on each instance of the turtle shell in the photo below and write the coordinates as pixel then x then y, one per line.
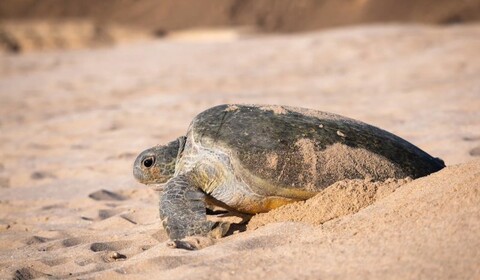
pixel 303 148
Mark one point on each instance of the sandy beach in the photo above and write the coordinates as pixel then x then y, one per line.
pixel 73 121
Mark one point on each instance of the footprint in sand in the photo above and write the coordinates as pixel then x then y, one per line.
pixel 39 175
pixel 113 127
pixel 106 195
pixel 109 246
pixel 37 240
pixel 54 206
pixel 28 273
pixel 471 138
pixel 51 245
pixel 79 147
pixel 4 181
pixel 70 242
pixel 107 213
pixel 55 262
pixel 475 152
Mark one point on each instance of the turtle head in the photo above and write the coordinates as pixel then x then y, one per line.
pixel 156 165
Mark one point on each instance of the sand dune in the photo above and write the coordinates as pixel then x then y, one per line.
pixel 267 15
pixel 72 123
pixel 19 36
pixel 27 25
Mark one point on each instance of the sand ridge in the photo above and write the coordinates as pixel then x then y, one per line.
pixel 340 199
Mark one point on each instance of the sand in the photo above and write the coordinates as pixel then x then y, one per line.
pixel 340 199
pixel 72 123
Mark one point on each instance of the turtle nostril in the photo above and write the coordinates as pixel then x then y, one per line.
pixel 148 162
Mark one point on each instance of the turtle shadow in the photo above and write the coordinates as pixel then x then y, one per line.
pixel 225 215
pixel 236 228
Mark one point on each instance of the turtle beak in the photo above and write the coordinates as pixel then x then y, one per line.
pixel 138 174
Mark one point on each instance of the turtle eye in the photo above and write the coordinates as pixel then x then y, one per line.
pixel 148 162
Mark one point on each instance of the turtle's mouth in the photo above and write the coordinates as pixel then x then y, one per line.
pixel 138 174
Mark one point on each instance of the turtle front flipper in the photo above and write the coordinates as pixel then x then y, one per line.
pixel 183 212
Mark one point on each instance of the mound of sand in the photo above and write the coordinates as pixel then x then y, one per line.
pixel 28 35
pixel 340 199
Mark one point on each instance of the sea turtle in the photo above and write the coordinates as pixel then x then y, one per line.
pixel 253 158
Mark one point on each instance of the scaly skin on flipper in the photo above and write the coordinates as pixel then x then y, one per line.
pixel 182 209
pixel 183 214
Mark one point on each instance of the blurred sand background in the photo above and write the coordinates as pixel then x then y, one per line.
pixel 86 85
pixel 33 24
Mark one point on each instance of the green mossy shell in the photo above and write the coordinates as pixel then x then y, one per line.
pixel 295 148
